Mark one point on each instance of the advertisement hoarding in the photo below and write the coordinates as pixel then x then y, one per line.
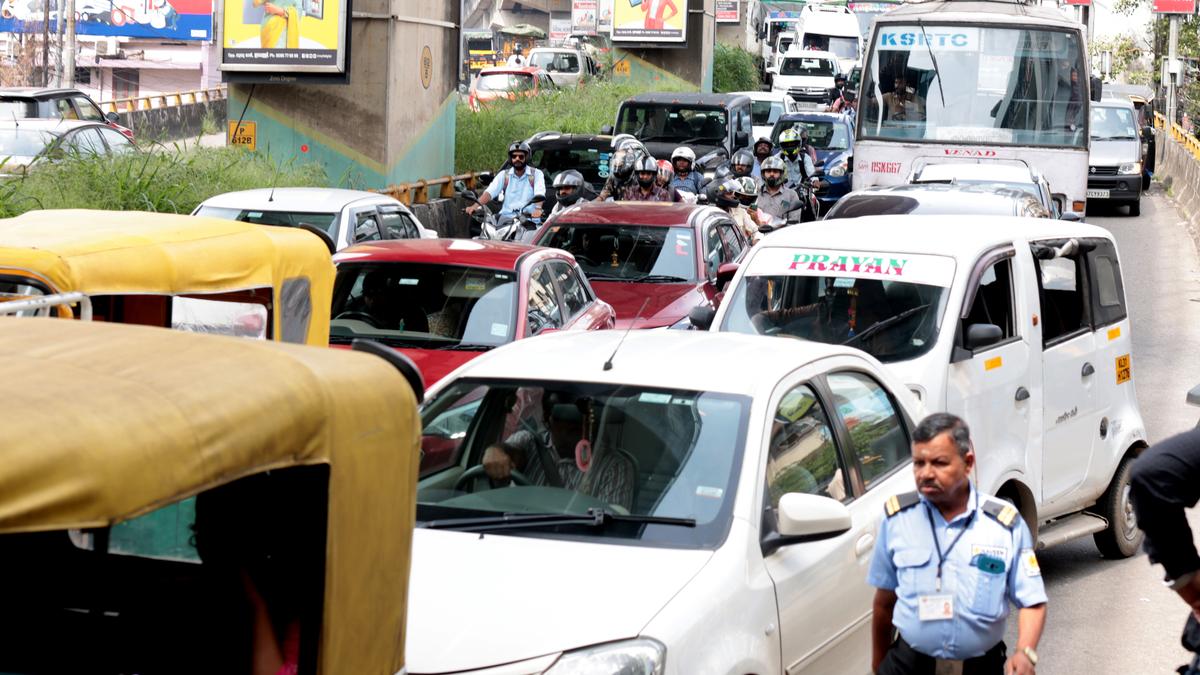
pixel 604 16
pixel 727 11
pixel 285 37
pixel 1174 6
pixel 161 19
pixel 560 28
pixel 649 21
pixel 583 17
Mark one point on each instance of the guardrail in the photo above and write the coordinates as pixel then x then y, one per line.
pixel 164 100
pixel 417 192
pixel 1181 136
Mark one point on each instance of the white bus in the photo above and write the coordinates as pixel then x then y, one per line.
pixel 963 80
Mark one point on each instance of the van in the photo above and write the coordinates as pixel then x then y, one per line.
pixel 833 29
pixel 1018 325
pixel 1115 155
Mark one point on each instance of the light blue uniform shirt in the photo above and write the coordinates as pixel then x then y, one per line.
pixel 520 189
pixel 905 562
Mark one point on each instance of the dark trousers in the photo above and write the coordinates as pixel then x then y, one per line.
pixel 902 659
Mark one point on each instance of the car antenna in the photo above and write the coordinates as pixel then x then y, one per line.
pixel 608 363
pixel 274 180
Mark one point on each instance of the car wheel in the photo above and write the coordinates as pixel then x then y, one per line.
pixel 1135 208
pixel 1122 538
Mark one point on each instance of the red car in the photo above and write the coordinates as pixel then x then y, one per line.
pixel 652 262
pixel 443 302
pixel 508 82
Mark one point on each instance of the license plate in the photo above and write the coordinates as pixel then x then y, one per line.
pixel 1097 194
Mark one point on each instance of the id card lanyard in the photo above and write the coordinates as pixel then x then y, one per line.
pixel 942 555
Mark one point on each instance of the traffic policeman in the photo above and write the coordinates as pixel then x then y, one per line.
pixel 947 561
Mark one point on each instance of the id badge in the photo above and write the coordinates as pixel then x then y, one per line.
pixel 935 607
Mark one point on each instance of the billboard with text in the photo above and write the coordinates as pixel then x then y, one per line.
pixel 307 37
pixel 161 19
pixel 649 21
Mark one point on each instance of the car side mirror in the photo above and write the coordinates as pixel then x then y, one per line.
pixel 741 139
pixel 1071 217
pixel 725 274
pixel 112 117
pixel 803 518
pixel 982 335
pixel 701 316
pixel 606 130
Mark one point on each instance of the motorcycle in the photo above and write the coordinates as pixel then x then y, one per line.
pixel 519 228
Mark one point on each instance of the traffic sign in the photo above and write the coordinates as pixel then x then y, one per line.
pixel 244 135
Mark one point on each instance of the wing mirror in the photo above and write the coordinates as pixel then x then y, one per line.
pixel 983 334
pixel 112 117
pixel 701 316
pixel 1070 216
pixel 741 139
pixel 725 274
pixel 803 517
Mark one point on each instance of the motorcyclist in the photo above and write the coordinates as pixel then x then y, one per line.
pixel 800 165
pixel 686 178
pixel 517 187
pixel 646 187
pixel 763 148
pixel 839 89
pixel 568 187
pixel 666 174
pixel 777 203
pixel 740 165
pixel 627 152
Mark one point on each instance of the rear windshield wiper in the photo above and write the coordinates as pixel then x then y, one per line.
pixel 597 518
pixel 659 278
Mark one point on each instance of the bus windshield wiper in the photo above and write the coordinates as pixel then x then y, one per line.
pixel 933 59
pixel 597 518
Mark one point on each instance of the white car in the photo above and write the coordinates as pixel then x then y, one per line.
pixel 992 174
pixel 807 77
pixel 766 107
pixel 725 524
pixel 566 67
pixel 1019 325
pixel 348 216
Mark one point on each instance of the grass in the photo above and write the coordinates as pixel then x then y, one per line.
pixel 482 137
pixel 734 69
pixel 169 182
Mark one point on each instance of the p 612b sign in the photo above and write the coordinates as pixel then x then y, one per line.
pixel 1174 6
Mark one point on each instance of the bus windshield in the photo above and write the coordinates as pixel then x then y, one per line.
pixel 976 84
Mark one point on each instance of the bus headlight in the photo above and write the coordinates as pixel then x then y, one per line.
pixel 1130 168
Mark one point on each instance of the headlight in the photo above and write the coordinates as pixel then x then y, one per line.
pixel 642 656
pixel 1130 168
pixel 837 171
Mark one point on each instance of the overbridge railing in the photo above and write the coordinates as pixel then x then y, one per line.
pixel 422 191
pixel 164 100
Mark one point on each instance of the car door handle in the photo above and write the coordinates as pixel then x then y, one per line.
pixel 1022 394
pixel 864 545
pixel 1088 370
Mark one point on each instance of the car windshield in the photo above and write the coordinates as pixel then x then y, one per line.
pixel 842 47
pixel 673 123
pixel 591 162
pixel 18 108
pixel 887 304
pixel 555 62
pixel 664 461
pixel 504 82
pixel 938 83
pixel 627 252
pixel 322 221
pixel 822 134
pixel 809 66
pixel 765 113
pixel 424 306
pixel 1112 124
pixel 25 143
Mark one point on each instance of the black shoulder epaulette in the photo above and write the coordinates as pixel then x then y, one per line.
pixel 1004 513
pixel 897 503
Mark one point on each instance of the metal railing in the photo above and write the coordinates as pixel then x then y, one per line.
pixel 164 100
pixel 49 301
pixel 1181 136
pixel 418 192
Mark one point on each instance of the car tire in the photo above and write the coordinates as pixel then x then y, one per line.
pixel 1122 538
pixel 1135 208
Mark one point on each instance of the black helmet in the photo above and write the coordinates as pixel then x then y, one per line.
pixel 839 78
pixel 727 194
pixel 764 141
pixel 742 158
pixel 519 146
pixel 568 179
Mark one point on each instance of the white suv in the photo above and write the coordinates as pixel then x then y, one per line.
pixel 806 76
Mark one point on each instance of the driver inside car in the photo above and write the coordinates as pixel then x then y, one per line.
pixel 847 309
pixel 552 455
pixel 382 300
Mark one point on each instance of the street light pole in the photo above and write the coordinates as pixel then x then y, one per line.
pixel 68 65
pixel 1172 48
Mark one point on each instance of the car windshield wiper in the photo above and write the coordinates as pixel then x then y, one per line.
pixel 389 341
pixel 659 278
pixel 881 325
pixel 597 518
pixel 467 348
pixel 606 277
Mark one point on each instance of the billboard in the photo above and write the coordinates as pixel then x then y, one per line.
pixel 560 29
pixel 291 37
pixel 649 21
pixel 161 19
pixel 727 11
pixel 1174 6
pixel 583 17
pixel 604 16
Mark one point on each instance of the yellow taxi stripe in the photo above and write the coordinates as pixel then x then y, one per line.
pixel 1114 333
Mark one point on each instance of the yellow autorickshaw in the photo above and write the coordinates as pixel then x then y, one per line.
pixel 176 503
pixel 192 273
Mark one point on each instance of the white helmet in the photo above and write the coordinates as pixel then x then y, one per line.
pixel 684 152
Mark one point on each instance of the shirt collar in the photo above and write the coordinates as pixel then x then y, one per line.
pixel 972 505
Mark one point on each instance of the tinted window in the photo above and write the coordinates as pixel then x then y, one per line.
pixel 17 108
pixel 65 109
pixel 544 311
pixel 324 221
pixel 626 252
pixel 574 295
pixel 822 134
pixel 993 303
pixel 729 237
pixel 88 110
pixel 803 456
pixel 878 438
pixel 591 162
pixel 855 206
pixel 1061 286
pixel 366 226
pixel 673 123
pixel 807 66
pixel 1108 290
pixel 399 225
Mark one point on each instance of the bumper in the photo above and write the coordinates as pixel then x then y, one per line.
pixel 1119 188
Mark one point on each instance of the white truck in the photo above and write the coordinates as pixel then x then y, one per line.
pixel 1018 325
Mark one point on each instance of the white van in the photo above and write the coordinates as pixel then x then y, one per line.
pixel 806 76
pixel 1018 325
pixel 831 28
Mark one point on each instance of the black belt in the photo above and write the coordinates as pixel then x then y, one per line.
pixel 902 659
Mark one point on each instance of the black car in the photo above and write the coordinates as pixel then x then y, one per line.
pixel 52 103
pixel 714 126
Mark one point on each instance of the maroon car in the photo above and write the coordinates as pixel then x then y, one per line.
pixel 443 302
pixel 652 262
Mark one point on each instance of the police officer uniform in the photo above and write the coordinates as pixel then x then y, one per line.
pixel 953 582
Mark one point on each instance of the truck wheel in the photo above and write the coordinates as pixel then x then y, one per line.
pixel 1122 538
pixel 1135 208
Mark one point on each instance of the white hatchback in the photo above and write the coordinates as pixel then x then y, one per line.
pixel 683 503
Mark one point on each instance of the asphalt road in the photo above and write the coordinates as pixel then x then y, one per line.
pixel 1115 617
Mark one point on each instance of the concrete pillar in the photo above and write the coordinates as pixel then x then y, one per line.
pixel 393 122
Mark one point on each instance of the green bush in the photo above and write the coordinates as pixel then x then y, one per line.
pixel 173 181
pixel 734 69
pixel 482 137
